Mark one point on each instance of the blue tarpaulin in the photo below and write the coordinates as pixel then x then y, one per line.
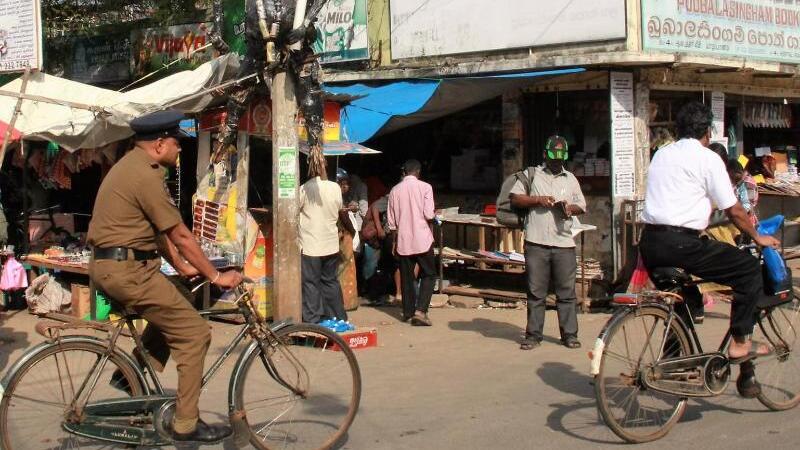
pixel 390 106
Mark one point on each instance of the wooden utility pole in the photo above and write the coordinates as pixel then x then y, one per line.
pixel 286 289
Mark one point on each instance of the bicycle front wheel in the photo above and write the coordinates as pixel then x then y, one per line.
pixel 304 394
pixel 779 373
pixel 39 395
pixel 632 411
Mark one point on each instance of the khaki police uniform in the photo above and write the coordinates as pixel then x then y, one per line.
pixel 132 207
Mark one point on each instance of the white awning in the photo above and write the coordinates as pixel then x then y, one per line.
pixel 109 113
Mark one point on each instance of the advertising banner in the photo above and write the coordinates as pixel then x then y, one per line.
pixel 153 48
pixel 233 25
pixel 20 35
pixel 623 165
pixel 766 30
pixel 342 31
pixel 91 60
pixel 430 28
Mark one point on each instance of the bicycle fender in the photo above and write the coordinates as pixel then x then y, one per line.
pixel 239 366
pixel 596 354
pixel 36 350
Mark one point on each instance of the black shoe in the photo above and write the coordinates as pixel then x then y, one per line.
pixel 118 381
pixel 746 384
pixel 204 433
pixel 571 342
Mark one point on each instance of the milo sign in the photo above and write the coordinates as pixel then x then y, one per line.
pixel 342 26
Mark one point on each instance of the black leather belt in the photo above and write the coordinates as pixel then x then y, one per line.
pixel 672 229
pixel 123 254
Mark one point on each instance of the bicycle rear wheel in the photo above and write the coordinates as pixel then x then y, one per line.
pixel 38 397
pixel 632 411
pixel 779 373
pixel 314 361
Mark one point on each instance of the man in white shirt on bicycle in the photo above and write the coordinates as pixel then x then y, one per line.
pixel 684 179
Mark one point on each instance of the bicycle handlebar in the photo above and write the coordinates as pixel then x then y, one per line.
pixel 245 280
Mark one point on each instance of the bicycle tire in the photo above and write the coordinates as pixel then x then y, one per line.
pixel 323 418
pixel 27 389
pixel 633 429
pixel 778 373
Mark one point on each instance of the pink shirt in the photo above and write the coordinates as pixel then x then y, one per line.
pixel 410 209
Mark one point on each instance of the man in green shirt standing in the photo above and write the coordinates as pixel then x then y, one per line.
pixel 554 198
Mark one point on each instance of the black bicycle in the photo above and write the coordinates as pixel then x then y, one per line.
pixel 648 361
pixel 295 386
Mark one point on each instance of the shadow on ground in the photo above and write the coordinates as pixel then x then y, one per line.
pixel 580 418
pixel 10 339
pixel 490 328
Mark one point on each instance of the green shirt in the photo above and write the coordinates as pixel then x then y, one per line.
pixel 549 226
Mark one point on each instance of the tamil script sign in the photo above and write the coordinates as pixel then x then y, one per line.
pixel 754 29
pixel 154 48
pixel 20 35
pixel 342 31
pixel 428 28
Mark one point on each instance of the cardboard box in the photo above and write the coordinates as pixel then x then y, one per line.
pixel 360 338
pixel 81 304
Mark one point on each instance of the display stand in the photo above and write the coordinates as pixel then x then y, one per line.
pixel 505 239
pixel 39 266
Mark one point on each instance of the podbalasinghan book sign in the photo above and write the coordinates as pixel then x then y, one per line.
pixel 754 29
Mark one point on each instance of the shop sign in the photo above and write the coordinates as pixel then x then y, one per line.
pixel 287 172
pixel 623 161
pixel 91 60
pixel 342 31
pixel 331 128
pixel 233 25
pixel 257 119
pixel 20 35
pixel 154 48
pixel 755 29
pixel 428 28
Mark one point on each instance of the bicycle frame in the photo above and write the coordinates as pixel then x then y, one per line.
pixel 252 326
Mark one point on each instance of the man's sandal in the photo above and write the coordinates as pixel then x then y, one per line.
pixel 752 354
pixel 529 344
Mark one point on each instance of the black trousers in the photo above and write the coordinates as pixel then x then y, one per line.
pixel 427 275
pixel 322 293
pixel 712 261
pixel 551 266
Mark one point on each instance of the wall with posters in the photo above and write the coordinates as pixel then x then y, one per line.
pixel 755 29
pixel 342 31
pixel 20 35
pixel 92 60
pixel 426 28
pixel 155 47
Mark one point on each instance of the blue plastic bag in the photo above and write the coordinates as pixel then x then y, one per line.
pixel 770 226
pixel 776 267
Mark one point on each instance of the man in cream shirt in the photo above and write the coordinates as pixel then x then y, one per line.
pixel 320 208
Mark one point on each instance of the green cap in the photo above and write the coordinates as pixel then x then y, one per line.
pixel 556 147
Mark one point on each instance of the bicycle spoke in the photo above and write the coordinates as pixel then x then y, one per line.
pixel 636 413
pixel 305 361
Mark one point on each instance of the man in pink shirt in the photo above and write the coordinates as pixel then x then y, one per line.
pixel 409 213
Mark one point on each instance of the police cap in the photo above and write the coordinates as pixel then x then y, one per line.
pixel 160 124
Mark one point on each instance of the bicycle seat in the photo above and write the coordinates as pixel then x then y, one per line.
pixel 669 277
